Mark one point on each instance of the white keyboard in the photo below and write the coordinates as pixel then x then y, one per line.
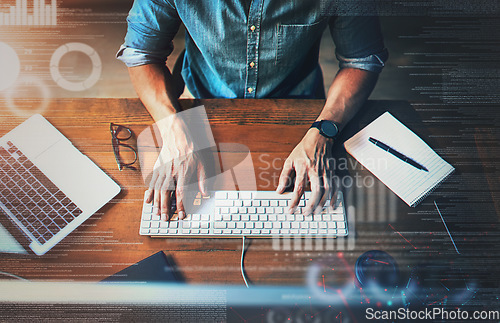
pixel 246 213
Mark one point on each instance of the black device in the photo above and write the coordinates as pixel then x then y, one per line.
pixel 327 128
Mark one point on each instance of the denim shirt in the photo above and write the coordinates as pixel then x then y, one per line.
pixel 270 49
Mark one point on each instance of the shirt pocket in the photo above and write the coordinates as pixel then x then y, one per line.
pixel 294 41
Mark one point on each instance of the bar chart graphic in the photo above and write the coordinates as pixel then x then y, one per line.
pixel 38 13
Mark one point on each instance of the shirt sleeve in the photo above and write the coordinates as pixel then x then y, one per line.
pixel 359 42
pixel 152 25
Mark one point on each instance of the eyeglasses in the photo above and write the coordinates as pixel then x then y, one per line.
pixel 118 134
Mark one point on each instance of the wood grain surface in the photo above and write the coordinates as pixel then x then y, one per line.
pixel 109 241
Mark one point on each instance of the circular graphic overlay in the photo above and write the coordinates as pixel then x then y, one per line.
pixel 376 268
pixel 9 65
pixel 25 107
pixel 70 85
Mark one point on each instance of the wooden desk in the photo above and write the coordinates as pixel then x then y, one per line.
pixel 109 240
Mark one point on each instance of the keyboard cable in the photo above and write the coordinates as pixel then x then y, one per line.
pixel 4 273
pixel 241 262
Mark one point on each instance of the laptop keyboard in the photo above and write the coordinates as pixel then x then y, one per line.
pixel 37 206
pixel 251 214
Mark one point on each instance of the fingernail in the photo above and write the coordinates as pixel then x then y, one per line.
pixel 279 188
pixel 181 215
pixel 164 217
pixel 156 210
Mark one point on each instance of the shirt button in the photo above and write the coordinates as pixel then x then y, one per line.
pixel 252 28
pixel 252 64
pixel 250 90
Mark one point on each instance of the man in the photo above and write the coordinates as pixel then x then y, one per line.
pixel 249 49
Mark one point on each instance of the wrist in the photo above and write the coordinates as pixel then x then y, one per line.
pixel 326 128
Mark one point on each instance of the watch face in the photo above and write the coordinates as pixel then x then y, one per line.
pixel 329 128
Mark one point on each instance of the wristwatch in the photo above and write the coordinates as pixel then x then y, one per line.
pixel 327 128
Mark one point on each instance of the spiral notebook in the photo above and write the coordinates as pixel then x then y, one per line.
pixel 411 184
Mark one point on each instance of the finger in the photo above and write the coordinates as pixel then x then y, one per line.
pixel 161 187
pixel 165 204
pixel 327 189
pixel 285 175
pixel 202 179
pixel 316 192
pixel 298 190
pixel 156 201
pixel 152 182
pixel 179 195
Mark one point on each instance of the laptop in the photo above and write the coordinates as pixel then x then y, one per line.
pixel 47 187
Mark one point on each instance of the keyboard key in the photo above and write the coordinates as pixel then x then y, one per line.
pixel 246 195
pixel 232 195
pixel 220 195
pixel 223 203
pixel 337 217
pixel 219 225
pixel 77 212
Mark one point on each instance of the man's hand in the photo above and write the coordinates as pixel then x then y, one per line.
pixel 177 165
pixel 311 159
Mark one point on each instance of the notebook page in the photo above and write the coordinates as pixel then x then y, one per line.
pixel 408 182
